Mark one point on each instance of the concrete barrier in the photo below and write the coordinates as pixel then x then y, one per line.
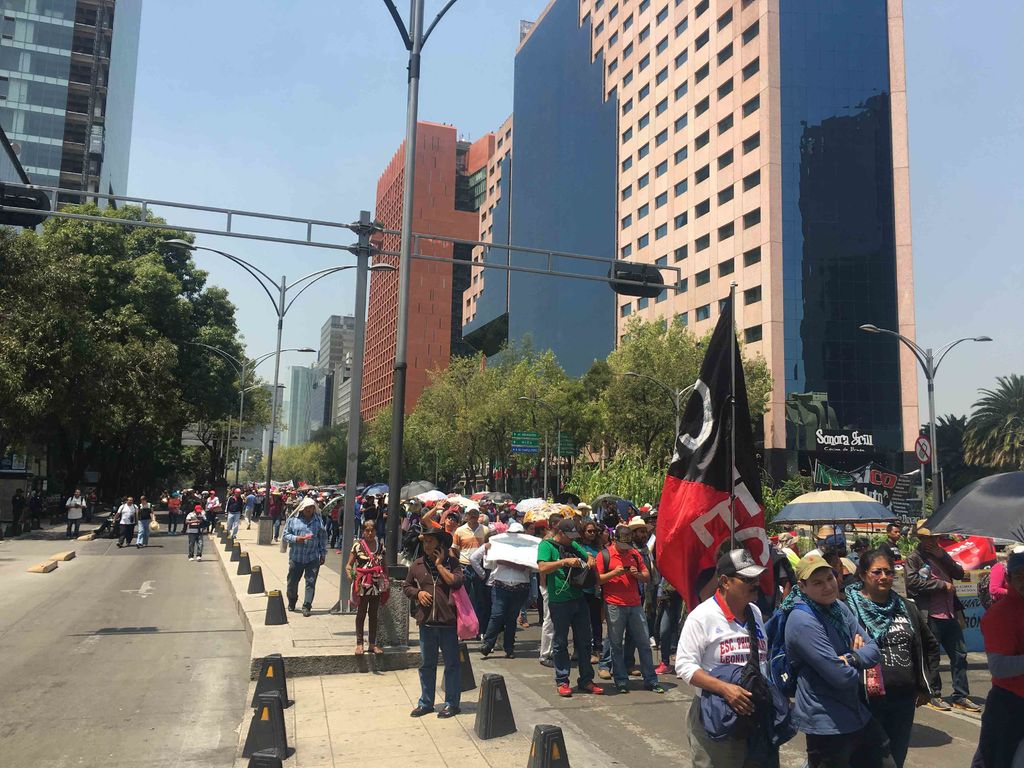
pixel 46 567
pixel 64 556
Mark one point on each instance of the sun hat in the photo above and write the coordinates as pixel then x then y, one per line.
pixel 808 564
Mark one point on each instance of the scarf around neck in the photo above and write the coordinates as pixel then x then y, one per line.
pixel 877 618
pixel 827 614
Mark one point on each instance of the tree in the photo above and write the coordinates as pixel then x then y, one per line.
pixel 995 431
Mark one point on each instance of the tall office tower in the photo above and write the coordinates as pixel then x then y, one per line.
pixel 337 339
pixel 756 141
pixel 67 82
pixel 448 192
pixel 297 423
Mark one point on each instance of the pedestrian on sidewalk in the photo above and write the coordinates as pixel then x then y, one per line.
pixel 35 510
pixel 127 513
pixel 194 522
pixel 90 510
pixel 621 571
pixel 275 508
pixel 235 506
pixel 76 510
pixel 556 559
pixel 429 585
pixel 1002 626
pixel 545 529
pixel 307 542
pixel 590 540
pixel 145 517
pixel 510 586
pixel 931 574
pixel 369 576
pixel 212 507
pixel 250 509
pixel 173 512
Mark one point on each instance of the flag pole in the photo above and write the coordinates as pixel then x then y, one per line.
pixel 732 416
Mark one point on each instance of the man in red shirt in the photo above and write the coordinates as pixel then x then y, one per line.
pixel 620 571
pixel 1003 629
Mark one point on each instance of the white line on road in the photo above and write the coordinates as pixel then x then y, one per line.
pixel 144 591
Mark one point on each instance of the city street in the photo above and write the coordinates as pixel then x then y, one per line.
pixel 119 657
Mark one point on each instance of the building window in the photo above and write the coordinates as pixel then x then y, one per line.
pixel 678 255
pixel 627 106
pixel 725 89
pixel 681 122
pixel 752 257
pixel 750 32
pixel 644 5
pixel 643 151
pixel 702 278
pixel 725 54
pixel 661 169
pixel 725 195
pixel 724 19
pixel 661 138
pixel 660 231
pixel 701 106
pixel 726 231
pixel 627 163
pixel 662 45
pixel 642 211
pixel 702 208
pixel 599 28
pixel 644 62
pixel 627 135
pixel 613 65
pixel 702 174
pixel 662 76
pixel 751 143
pixel 661 261
pixel 701 40
pixel 751 69
pixel 660 200
pixel 628 22
pixel 700 9
pixel 662 15
pixel 613 38
pixel 643 240
pixel 681 26
pixel 626 251
pixel 681 59
pixel 644 121
pixel 680 91
pixel 702 243
pixel 750 107
pixel 627 192
pixel 702 313
pixel 661 107
pixel 725 159
pixel 642 181
pixel 644 92
pixel 679 221
pixel 751 218
pixel 626 310
pixel 642 303
pixel 702 140
pixel 614 11
pixel 627 78
pixel 627 220
pixel 701 72
pixel 752 295
pixel 726 268
pixel 725 124
pixel 645 33
pixel 627 51
pixel 752 334
pixel 682 318
pixel 680 187
pixel 752 180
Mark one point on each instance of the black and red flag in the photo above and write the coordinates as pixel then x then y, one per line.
pixel 696 514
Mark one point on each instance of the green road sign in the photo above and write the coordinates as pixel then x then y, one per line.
pixel 528 435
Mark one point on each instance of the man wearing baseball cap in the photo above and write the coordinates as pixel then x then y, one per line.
pixel 716 633
pixel 1002 626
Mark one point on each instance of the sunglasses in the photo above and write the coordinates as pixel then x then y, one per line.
pixel 881 572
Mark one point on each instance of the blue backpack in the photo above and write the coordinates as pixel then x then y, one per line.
pixel 781 672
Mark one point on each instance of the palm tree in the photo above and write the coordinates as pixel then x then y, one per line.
pixel 995 432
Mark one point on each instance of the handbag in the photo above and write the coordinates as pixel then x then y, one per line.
pixel 154 525
pixel 467 624
pixel 581 578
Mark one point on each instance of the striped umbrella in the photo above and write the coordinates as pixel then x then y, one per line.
pixel 834 507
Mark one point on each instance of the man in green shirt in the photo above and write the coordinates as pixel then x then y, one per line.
pixel 556 558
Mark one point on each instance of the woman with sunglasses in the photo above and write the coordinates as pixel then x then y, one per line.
pixel 909 650
pixel 591 541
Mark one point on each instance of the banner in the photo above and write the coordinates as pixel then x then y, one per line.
pixel 894 491
pixel 972 552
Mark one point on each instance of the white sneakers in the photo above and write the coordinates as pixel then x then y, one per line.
pixel 199 558
pixel 191 559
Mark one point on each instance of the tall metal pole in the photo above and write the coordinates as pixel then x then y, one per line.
pixel 241 407
pixel 732 416
pixel 404 274
pixel 546 461
pixel 558 456
pixel 929 373
pixel 283 287
pixel 352 450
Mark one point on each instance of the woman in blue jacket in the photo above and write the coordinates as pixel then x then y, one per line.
pixel 828 649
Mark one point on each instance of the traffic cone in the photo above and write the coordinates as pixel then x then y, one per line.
pixel 265 758
pixel 236 551
pixel 272 679
pixel 275 609
pixel 548 748
pixel 266 729
pixel 256 581
pixel 493 710
pixel 467 679
pixel 243 564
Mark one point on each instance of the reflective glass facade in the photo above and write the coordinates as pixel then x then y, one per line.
pixel 839 254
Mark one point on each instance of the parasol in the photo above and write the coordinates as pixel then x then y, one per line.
pixel 833 507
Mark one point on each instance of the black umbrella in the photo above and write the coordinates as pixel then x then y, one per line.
pixel 625 509
pixel 415 488
pixel 498 497
pixel 567 498
pixel 992 506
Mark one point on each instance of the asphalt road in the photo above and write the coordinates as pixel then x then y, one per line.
pixel 118 658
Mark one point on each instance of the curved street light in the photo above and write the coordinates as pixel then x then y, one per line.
pixel 929 361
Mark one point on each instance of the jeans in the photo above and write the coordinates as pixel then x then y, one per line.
pixel 1000 740
pixel 447 640
pixel 895 711
pixel 623 620
pixel 479 595
pixel 951 638
pixel 172 522
pixel 669 629
pixel 296 571
pixel 73 526
pixel 277 527
pixel 595 605
pixel 233 518
pixel 572 614
pixel 506 603
pixel 126 534
pixel 142 539
pixel 195 544
pixel 866 748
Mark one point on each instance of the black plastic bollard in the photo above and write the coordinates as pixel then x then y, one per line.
pixel 275 609
pixel 272 679
pixel 266 729
pixel 243 564
pixel 548 748
pixel 493 710
pixel 256 581
pixel 236 551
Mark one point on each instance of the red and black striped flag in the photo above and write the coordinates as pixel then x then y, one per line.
pixel 694 515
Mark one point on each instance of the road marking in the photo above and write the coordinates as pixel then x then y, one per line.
pixel 86 645
pixel 144 591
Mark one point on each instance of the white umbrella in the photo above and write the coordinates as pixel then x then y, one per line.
pixel 463 502
pixel 434 495
pixel 527 504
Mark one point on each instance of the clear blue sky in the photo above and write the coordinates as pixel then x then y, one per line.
pixel 296 107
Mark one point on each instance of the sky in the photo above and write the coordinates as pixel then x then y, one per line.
pixel 295 107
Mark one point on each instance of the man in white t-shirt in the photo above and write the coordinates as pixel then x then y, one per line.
pixel 127 514
pixel 76 510
pixel 715 633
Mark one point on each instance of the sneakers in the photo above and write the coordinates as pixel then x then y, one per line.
pixel 565 690
pixel 966 704
pixel 654 688
pixel 591 688
pixel 305 610
pixel 939 703
pixel 191 559
pixel 200 558
pixel 547 663
pixel 635 672
pixel 661 669
pixel 622 688
pixel 604 674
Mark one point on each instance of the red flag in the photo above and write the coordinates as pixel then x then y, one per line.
pixel 694 514
pixel 972 552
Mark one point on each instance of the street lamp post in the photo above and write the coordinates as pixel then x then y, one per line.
pixel 930 362
pixel 281 306
pixel 558 432
pixel 243 369
pixel 676 396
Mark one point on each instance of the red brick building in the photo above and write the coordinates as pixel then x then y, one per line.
pixel 451 177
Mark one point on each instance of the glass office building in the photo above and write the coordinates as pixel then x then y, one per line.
pixel 67 87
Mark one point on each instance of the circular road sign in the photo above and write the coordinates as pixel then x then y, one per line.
pixel 923 449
